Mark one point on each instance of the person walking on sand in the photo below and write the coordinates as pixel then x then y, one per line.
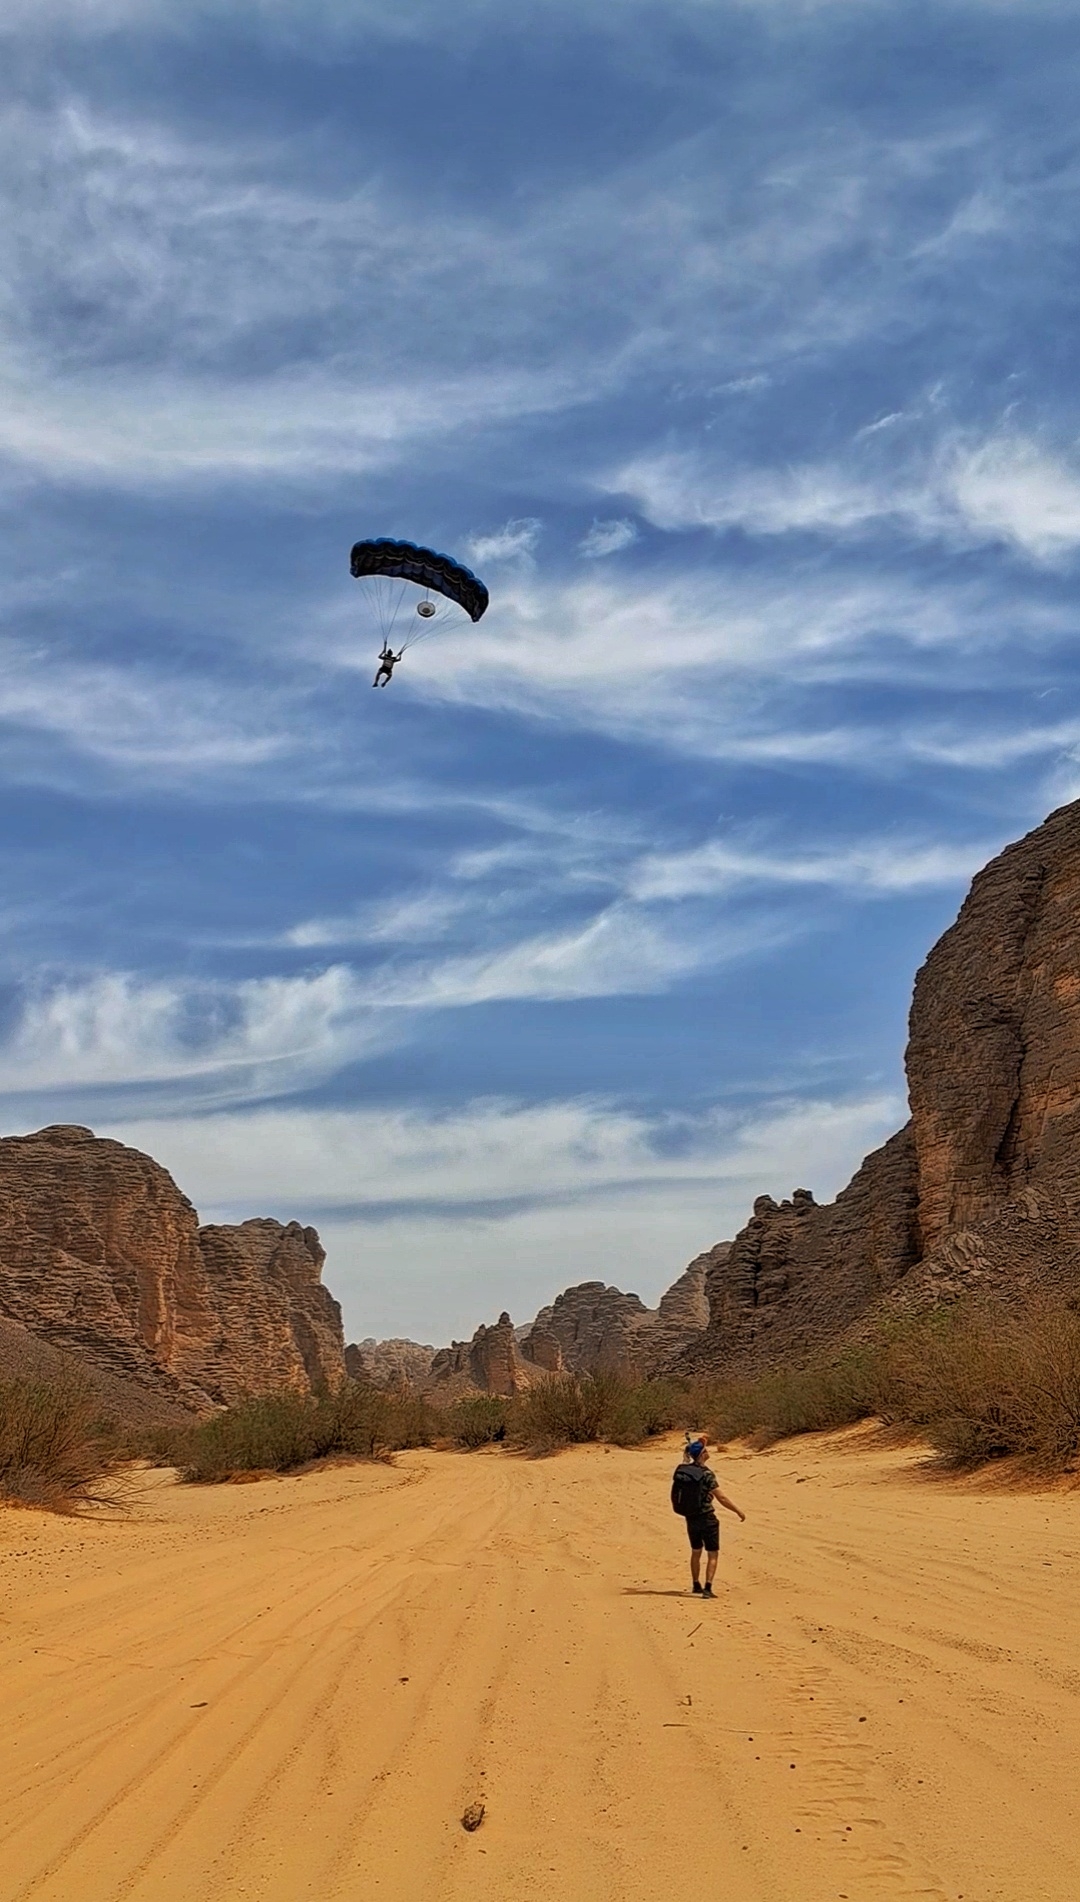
pixel 695 1494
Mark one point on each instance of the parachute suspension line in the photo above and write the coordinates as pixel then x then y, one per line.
pixel 393 569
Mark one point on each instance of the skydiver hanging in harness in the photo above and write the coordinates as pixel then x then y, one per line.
pixel 388 660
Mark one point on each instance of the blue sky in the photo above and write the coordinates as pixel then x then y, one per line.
pixel 735 346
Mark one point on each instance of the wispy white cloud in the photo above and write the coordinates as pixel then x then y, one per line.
pixel 1015 491
pixel 198 1039
pixel 500 1152
pixel 737 665
pixel 420 918
pixel 258 1037
pixel 883 867
pixel 502 1203
pixel 168 428
pixel 1005 488
pixel 137 717
pixel 608 538
pixel 622 951
pixel 515 541
pixel 227 322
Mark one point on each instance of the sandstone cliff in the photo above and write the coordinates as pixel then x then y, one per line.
pixel 390 1363
pixel 588 1329
pixel 490 1363
pixel 101 1256
pixel 982 1186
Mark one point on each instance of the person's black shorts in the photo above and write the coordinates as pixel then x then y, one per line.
pixel 704 1530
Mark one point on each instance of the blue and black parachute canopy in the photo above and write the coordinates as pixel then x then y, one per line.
pixel 405 561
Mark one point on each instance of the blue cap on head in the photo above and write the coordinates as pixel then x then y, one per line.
pixel 694 1447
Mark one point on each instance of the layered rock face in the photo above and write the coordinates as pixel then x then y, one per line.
pixel 993 1060
pixel 392 1363
pixel 982 1187
pixel 799 1272
pixel 591 1328
pixel 588 1329
pixel 102 1256
pixel 279 1327
pixel 490 1363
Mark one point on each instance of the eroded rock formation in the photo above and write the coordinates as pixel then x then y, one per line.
pixel 591 1329
pixel 390 1363
pixel 982 1186
pixel 490 1363
pixel 800 1272
pixel 103 1257
pixel 588 1329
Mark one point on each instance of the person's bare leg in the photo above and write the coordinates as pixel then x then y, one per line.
pixel 710 1567
pixel 695 1564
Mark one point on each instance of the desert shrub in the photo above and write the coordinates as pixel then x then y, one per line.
pixel 160 1444
pixel 374 1421
pixel 796 1400
pixel 56 1448
pixel 276 1432
pixel 987 1382
pixel 478 1420
pixel 268 1433
pixel 980 1382
pixel 573 1409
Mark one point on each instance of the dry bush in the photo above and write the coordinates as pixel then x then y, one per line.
pixel 981 1382
pixel 276 1432
pixel 56 1449
pixel 574 1409
pixel 478 1420
pixel 374 1421
pixel 988 1382
pixel 795 1400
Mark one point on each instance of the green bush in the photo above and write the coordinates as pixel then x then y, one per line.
pixel 478 1420
pixel 274 1433
pixel 56 1449
pixel 796 1400
pixel 574 1409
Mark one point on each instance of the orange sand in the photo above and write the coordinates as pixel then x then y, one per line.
pixel 289 1691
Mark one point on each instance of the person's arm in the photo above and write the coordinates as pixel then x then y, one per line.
pixel 723 1500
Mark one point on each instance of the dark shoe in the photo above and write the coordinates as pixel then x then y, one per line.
pixel 708 1592
pixel 697 1586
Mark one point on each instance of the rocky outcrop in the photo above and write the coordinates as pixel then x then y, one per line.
pixel 588 1329
pixel 684 1310
pixel 490 1363
pixel 799 1273
pixel 278 1326
pixel 591 1329
pixel 103 1257
pixel 993 1058
pixel 394 1363
pixel 25 1356
pixel 982 1187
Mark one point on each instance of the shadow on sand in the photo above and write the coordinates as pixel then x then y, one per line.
pixel 652 1591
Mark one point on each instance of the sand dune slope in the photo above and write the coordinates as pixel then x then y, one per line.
pixel 289 1691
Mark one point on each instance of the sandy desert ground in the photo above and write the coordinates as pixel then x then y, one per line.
pixel 292 1689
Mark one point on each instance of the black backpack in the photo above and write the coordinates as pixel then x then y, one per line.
pixel 689 1496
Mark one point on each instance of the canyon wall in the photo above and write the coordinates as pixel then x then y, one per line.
pixel 103 1257
pixel 982 1187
